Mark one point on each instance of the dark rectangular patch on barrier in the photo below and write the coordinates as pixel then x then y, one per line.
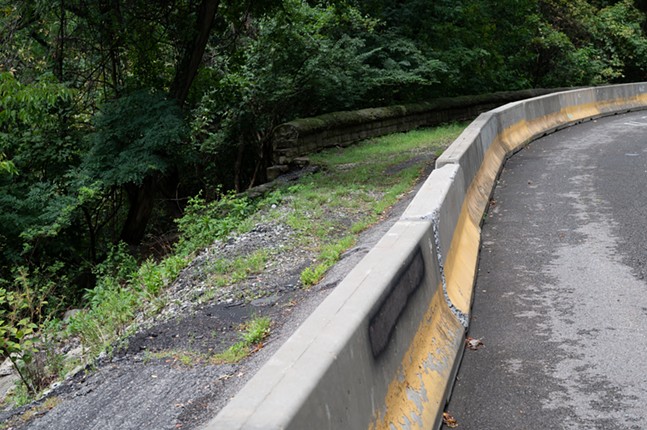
pixel 383 322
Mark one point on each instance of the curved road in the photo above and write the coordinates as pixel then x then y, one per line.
pixel 561 295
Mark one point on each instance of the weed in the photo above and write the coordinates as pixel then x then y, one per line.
pixel 310 276
pixel 111 309
pixel 149 278
pixel 328 256
pixel 203 222
pixel 16 335
pixel 233 354
pixel 224 271
pixel 254 331
pixel 152 277
pixel 118 265
pixel 20 395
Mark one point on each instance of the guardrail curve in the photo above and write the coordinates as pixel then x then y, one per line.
pixel 382 350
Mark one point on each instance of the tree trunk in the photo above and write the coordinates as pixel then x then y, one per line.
pixel 238 165
pixel 92 233
pixel 141 199
pixel 60 46
pixel 168 186
pixel 194 51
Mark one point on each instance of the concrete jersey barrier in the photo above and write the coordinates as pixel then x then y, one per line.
pixel 382 350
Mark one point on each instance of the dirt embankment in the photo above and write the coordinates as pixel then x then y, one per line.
pixel 161 378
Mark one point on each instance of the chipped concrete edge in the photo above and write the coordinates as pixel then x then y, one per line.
pixel 382 351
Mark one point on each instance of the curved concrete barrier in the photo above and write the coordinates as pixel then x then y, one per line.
pixel 382 350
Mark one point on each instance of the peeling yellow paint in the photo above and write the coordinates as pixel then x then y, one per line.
pixel 478 193
pixel 513 136
pixel 416 395
pixel 460 266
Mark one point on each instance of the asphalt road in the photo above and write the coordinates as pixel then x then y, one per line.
pixel 561 295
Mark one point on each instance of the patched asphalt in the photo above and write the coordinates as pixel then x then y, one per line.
pixel 561 297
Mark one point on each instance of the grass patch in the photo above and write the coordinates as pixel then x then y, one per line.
pixel 364 180
pixel 383 148
pixel 233 354
pixel 328 256
pixel 225 271
pixel 20 395
pixel 254 332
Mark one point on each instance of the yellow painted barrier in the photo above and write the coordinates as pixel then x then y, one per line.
pixel 410 403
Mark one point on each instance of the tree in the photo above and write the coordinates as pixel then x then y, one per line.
pixel 137 140
pixel 115 112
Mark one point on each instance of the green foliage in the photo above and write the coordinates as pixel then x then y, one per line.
pixel 94 134
pixel 512 44
pixel 302 60
pixel 580 43
pixel 328 256
pixel 618 32
pixel 111 304
pixel 16 333
pixel 111 309
pixel 310 276
pixel 119 265
pixel 203 222
pixel 27 331
pixel 36 201
pixel 123 288
pixel 135 136
pixel 7 166
pixel 152 277
pixel 254 332
pixel 21 395
pixel 41 290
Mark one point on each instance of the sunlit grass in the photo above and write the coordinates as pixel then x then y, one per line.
pixel 363 180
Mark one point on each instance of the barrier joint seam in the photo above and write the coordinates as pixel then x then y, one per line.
pixel 460 315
